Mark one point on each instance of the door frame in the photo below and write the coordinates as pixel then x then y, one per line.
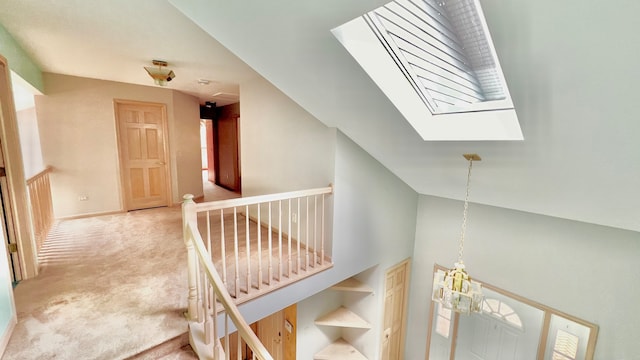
pixel 403 328
pixel 165 146
pixel 17 207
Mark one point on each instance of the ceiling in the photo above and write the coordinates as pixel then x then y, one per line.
pixel 569 73
pixel 115 40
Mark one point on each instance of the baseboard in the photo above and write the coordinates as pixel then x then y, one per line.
pixel 82 216
pixel 4 338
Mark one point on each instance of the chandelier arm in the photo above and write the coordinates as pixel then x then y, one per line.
pixel 464 214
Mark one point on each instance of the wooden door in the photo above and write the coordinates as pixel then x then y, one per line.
pixel 395 302
pixel 142 142
pixel 270 332
pixel 211 170
pixel 290 332
pixel 227 147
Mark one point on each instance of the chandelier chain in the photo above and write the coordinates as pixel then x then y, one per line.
pixel 464 214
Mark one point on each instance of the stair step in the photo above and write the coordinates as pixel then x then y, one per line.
pixel 164 349
pixel 184 353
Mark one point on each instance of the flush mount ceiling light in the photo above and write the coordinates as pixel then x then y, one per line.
pixel 160 74
pixel 454 289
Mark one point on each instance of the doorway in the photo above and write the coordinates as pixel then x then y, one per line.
pixel 220 148
pixel 7 226
pixel 395 308
pixel 277 332
pixel 142 144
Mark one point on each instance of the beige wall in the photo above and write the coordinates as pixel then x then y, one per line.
pixel 185 135
pixel 284 148
pixel 78 137
pixel 30 142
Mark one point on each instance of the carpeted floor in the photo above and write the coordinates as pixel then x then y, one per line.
pixel 109 287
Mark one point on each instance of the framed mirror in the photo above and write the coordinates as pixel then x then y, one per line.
pixel 508 327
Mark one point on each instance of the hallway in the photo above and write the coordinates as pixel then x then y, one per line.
pixel 109 287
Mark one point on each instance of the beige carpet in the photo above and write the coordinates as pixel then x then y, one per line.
pixel 109 288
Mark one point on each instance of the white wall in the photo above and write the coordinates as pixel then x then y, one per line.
pixel 184 135
pixel 284 148
pixel 78 137
pixel 30 141
pixel 585 270
pixel 7 307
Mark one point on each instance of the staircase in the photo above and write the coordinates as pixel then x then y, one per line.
pixel 240 249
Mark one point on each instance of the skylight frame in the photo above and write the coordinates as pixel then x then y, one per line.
pixel 488 120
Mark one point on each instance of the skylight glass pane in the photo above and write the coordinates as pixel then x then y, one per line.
pixel 443 49
pixel 435 61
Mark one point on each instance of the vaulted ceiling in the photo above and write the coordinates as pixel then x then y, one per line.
pixel 570 67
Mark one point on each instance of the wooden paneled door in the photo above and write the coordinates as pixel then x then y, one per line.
pixel 270 332
pixel 395 304
pixel 226 144
pixel 142 143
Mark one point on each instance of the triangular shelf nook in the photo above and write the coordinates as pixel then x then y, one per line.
pixel 352 284
pixel 343 317
pixel 339 349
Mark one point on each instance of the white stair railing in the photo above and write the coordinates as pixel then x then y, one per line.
pixel 240 224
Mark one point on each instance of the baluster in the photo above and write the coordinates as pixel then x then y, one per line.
pixel 322 233
pixel 239 347
pixel 259 230
pixel 227 349
pixel 306 228
pixel 279 240
pixel 223 249
pixel 248 243
pixel 298 239
pixel 216 348
pixel 200 292
pixel 315 230
pixel 208 325
pixel 270 247
pixel 209 248
pixel 235 250
pixel 289 264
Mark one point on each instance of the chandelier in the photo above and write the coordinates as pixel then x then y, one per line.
pixel 161 75
pixel 454 289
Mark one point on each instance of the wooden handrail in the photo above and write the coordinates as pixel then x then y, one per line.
pixel 35 177
pixel 39 192
pixel 223 295
pixel 252 200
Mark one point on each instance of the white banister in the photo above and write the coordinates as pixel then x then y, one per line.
pixel 208 294
pixel 189 215
pixel 252 200
pixel 224 298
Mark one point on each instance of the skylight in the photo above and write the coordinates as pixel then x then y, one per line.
pixel 436 62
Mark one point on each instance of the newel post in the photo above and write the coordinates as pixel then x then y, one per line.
pixel 189 215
